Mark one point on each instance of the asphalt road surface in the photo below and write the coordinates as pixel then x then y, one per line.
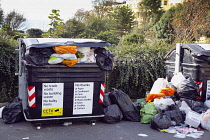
pixel 124 130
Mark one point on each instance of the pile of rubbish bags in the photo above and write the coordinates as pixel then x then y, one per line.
pixel 118 106
pixel 69 56
pixel 176 105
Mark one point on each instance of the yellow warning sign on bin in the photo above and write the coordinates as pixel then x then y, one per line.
pixel 52 112
pixel 52 99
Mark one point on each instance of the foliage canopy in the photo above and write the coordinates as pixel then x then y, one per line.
pixel 192 20
pixel 123 18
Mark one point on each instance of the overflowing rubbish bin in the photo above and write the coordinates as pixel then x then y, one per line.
pixel 180 101
pixel 53 86
pixel 192 60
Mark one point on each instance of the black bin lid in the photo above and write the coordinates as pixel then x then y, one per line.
pixel 197 49
pixel 51 42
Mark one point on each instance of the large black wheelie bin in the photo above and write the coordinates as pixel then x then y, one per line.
pixel 192 60
pixel 56 91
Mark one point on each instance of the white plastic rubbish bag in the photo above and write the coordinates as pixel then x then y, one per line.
pixel 207 103
pixel 163 103
pixel 205 120
pixel 67 56
pixel 184 107
pixel 88 53
pixel 177 79
pixel 158 84
pixel 55 60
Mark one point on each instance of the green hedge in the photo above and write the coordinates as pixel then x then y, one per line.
pixel 135 72
pixel 8 67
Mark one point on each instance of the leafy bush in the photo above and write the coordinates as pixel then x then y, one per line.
pixel 134 38
pixel 8 67
pixel 108 37
pixel 136 68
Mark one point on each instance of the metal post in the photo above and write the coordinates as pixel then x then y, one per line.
pixel 177 62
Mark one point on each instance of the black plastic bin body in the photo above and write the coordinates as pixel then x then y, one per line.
pixel 79 73
pixel 194 63
pixel 58 92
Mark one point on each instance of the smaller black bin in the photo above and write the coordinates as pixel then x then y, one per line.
pixel 194 63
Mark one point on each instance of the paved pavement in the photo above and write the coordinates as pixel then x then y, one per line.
pixel 124 130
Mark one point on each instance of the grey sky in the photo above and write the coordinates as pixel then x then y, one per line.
pixel 37 11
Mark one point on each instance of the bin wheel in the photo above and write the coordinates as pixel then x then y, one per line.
pixel 38 126
pixel 93 122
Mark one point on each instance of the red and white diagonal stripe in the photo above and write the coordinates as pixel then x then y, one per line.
pixel 101 97
pixel 31 96
pixel 200 87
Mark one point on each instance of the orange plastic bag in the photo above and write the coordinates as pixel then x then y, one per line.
pixel 70 63
pixel 167 91
pixel 151 97
pixel 65 49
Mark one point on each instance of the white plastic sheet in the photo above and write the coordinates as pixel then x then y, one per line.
pixel 205 120
pixel 177 79
pixel 163 103
pixel 158 84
